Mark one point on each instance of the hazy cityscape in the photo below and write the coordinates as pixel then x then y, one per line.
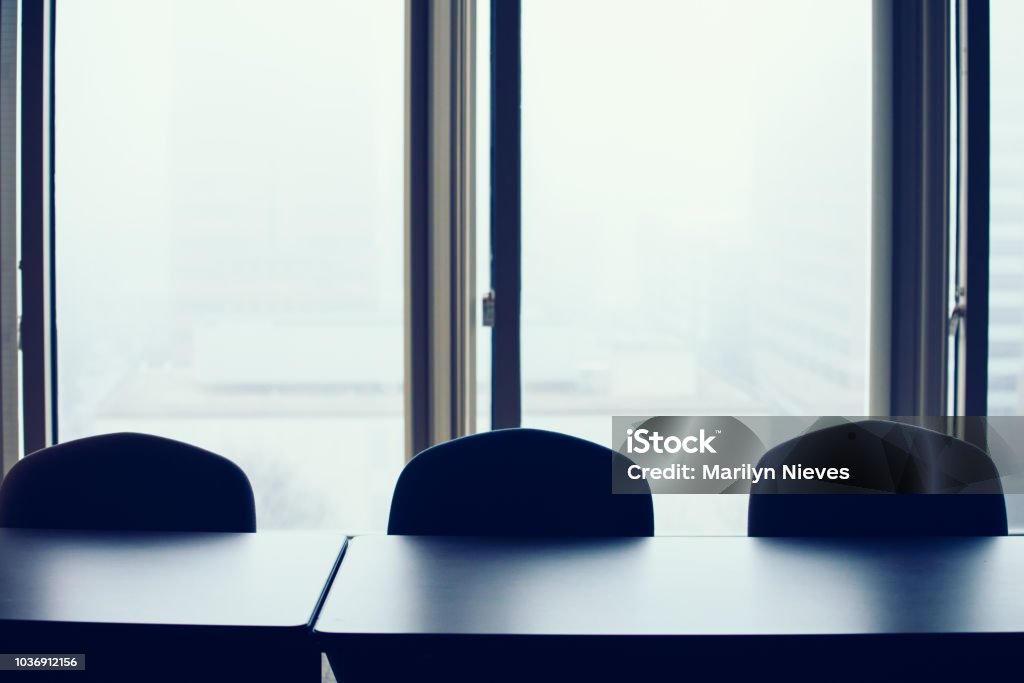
pixel 229 230
pixel 1006 305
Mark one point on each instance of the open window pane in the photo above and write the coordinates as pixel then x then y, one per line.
pixel 229 240
pixel 696 213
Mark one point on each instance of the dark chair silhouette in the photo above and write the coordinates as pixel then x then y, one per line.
pixel 127 482
pixel 960 493
pixel 517 482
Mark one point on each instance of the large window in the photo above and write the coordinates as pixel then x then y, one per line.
pixel 696 199
pixel 229 240
pixel 696 213
pixel 696 219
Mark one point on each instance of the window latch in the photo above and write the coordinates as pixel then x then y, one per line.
pixel 488 309
pixel 959 311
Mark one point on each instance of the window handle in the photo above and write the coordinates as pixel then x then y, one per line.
pixel 959 311
pixel 488 309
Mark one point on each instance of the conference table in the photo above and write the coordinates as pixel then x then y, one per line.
pixel 167 605
pixel 209 606
pixel 438 608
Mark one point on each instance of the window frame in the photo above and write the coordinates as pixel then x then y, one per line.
pixel 909 309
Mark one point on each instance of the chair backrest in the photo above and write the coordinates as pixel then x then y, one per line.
pixel 960 493
pixel 127 482
pixel 517 482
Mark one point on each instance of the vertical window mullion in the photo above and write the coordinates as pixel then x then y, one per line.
pixel 911 190
pixel 975 166
pixel 440 256
pixel 37 257
pixel 9 428
pixel 506 212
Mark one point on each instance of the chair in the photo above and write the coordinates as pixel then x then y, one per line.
pixel 958 486
pixel 127 482
pixel 517 482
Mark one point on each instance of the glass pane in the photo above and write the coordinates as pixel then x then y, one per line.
pixel 1006 312
pixel 229 240
pixel 696 202
pixel 1006 206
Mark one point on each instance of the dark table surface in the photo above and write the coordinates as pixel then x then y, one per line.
pixel 267 579
pixel 434 586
